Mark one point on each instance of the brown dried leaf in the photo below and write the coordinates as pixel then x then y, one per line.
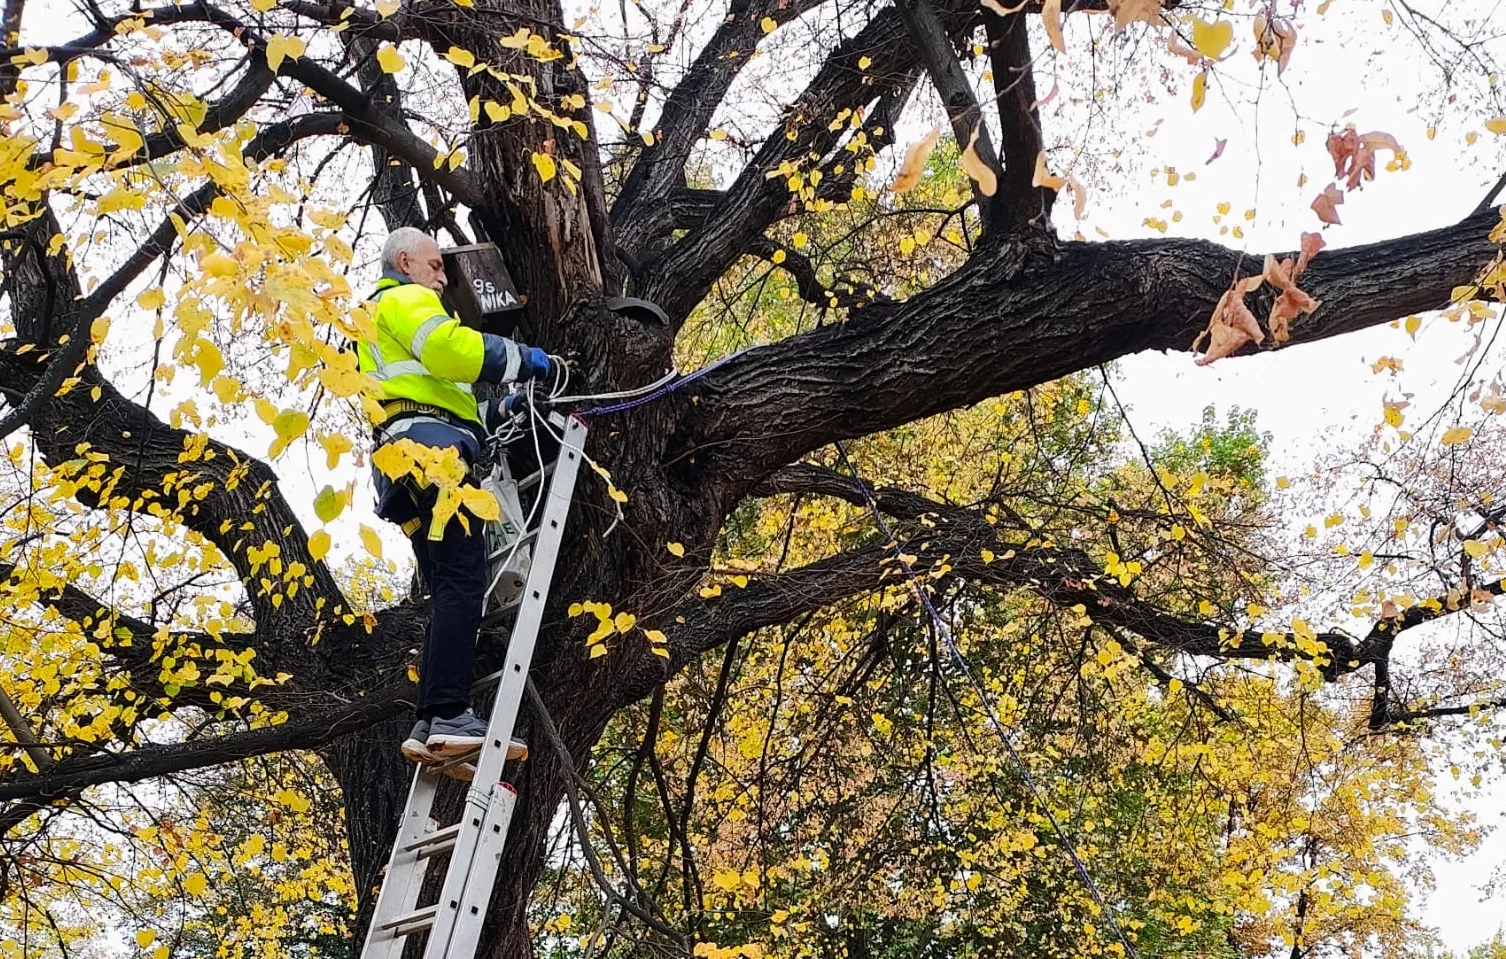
pixel 1274 40
pixel 1177 48
pixel 1051 17
pixel 1232 324
pixel 1278 273
pixel 1283 275
pixel 1079 196
pixel 1290 303
pixel 1354 154
pixel 915 161
pixel 1326 203
pixel 1043 176
pixel 975 167
pixel 1127 12
pixel 1045 99
pixel 1311 244
pixel 1342 147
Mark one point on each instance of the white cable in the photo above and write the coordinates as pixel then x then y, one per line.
pixel 543 490
pixel 561 438
pixel 620 394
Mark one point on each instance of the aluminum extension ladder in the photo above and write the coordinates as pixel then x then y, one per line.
pixel 474 843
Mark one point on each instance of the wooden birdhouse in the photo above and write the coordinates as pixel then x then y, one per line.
pixel 480 291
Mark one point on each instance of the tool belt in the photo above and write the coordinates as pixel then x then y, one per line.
pixel 399 410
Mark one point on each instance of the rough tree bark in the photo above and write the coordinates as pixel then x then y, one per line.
pixel 1026 308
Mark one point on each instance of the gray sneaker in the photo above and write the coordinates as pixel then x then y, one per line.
pixel 415 749
pixel 464 734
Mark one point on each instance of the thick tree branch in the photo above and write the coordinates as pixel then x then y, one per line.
pixel 641 215
pixel 242 509
pixel 842 294
pixel 682 276
pixel 1019 122
pixel 137 650
pixel 367 122
pixel 930 38
pixel 307 732
pixel 1064 577
pixel 1014 317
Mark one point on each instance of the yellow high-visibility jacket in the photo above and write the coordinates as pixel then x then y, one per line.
pixel 424 355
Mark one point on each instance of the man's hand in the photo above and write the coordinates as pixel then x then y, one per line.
pixel 535 364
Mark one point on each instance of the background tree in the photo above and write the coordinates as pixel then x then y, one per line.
pixel 185 171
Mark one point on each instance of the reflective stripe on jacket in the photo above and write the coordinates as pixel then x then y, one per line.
pixel 423 354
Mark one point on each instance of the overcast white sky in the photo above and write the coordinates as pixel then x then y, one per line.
pixel 1306 397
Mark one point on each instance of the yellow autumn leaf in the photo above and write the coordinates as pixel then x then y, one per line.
pixel 208 358
pixel 1496 125
pixel 145 937
pixel 1456 435
pixel 1212 39
pixel 150 299
pixel 988 556
pixel 196 884
pixel 710 592
pixel 287 427
pixel 482 504
pixel 389 59
pixel 544 163
pixel 618 496
pixel 660 651
pixel 603 629
pixel 597 651
pixel 677 549
pixel 768 24
pixel 975 167
pixel 655 636
pixel 371 541
pixel 335 446
pixel 460 56
pixel 1475 548
pixel 1199 91
pixel 914 163
pixel 1412 324
pixel 727 879
pixel 319 544
pixel 218 264
pixel 329 504
pixel 280 47
pixel 864 62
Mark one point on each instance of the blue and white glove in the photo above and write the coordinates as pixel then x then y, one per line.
pixel 535 364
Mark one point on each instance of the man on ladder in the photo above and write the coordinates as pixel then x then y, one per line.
pixel 425 362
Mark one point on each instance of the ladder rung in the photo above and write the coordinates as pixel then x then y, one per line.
pixel 436 842
pixel 411 922
pixel 532 479
pixel 527 537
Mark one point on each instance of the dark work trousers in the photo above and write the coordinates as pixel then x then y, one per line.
pixel 454 568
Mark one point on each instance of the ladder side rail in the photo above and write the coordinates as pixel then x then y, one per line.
pixel 505 707
pixel 405 872
pixel 477 897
